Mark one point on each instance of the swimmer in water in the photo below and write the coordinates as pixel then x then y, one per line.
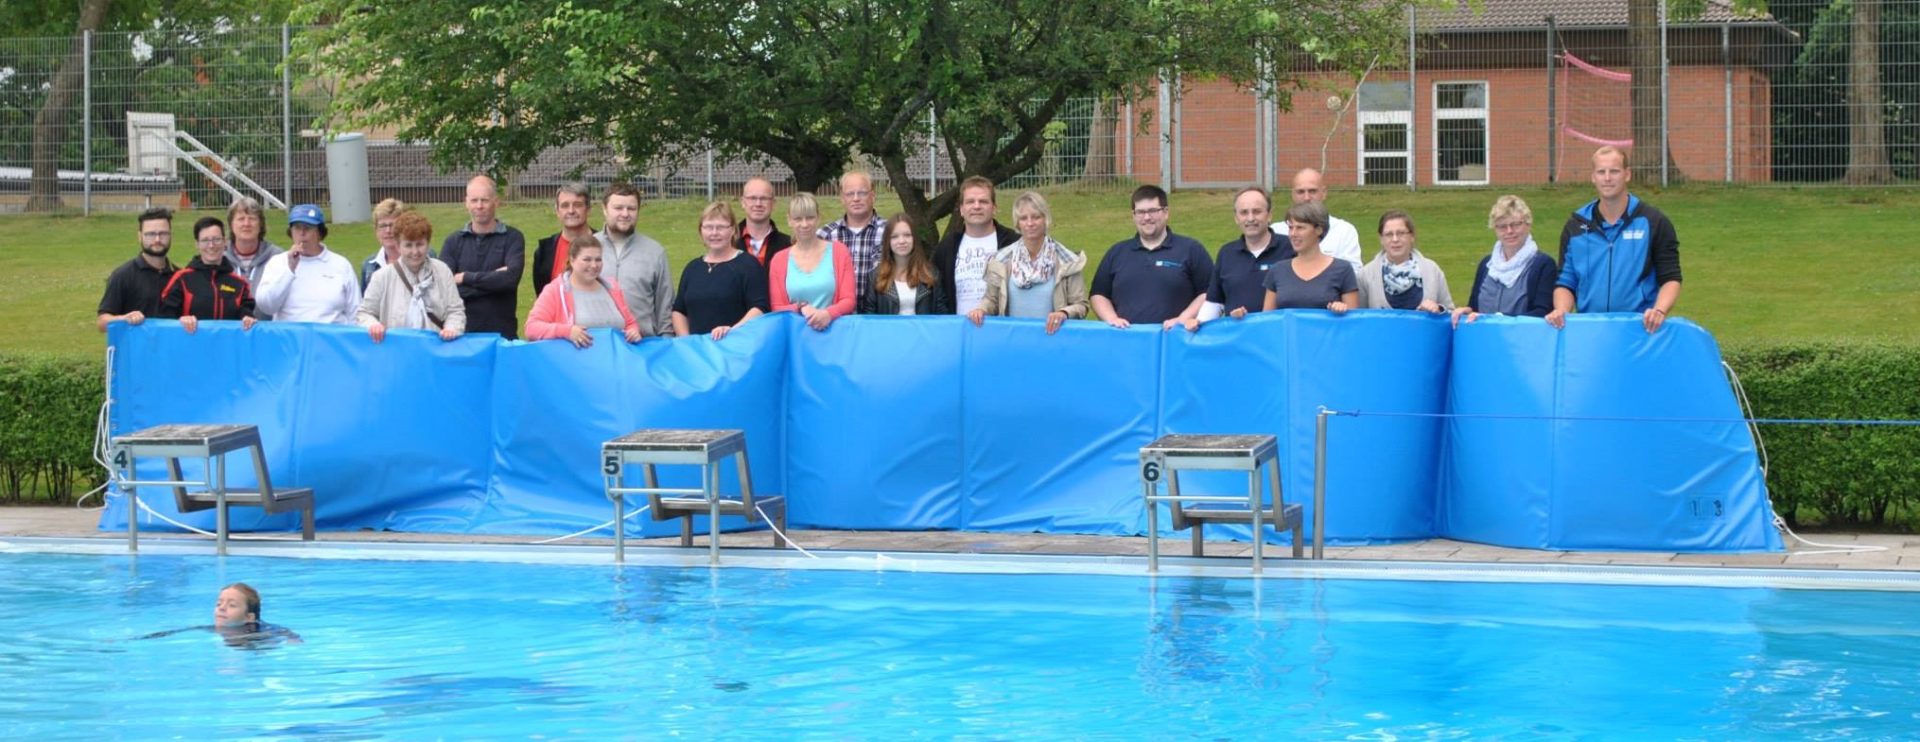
pixel 236 617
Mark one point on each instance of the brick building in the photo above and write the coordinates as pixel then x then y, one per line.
pixel 1492 99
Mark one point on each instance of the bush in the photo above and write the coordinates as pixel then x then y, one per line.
pixel 47 411
pixel 1838 475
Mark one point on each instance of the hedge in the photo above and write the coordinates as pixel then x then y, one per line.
pixel 48 407
pixel 1838 475
pixel 1823 475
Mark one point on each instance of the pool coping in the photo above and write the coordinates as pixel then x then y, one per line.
pixel 1276 568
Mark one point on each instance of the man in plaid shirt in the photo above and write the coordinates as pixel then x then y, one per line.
pixel 859 230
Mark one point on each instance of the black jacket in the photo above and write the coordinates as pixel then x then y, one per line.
pixel 882 300
pixel 543 262
pixel 206 292
pixel 776 241
pixel 947 253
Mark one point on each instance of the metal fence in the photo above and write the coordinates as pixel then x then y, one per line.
pixel 1513 92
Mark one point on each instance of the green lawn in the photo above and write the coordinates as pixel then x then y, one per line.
pixel 1762 264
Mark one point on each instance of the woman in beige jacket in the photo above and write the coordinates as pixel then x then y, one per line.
pixel 417 292
pixel 1399 277
pixel 1035 277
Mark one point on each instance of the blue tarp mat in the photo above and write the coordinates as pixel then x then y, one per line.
pixel 932 423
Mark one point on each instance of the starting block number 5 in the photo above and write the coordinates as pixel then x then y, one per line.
pixel 610 465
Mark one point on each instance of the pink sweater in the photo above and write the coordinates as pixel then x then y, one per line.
pixel 552 314
pixel 843 288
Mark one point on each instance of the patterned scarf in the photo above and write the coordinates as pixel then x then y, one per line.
pixel 421 283
pixel 1505 271
pixel 1403 277
pixel 1028 270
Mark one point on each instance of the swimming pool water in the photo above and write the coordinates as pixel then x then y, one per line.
pixel 465 650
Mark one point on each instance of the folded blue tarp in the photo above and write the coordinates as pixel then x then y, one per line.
pixel 932 423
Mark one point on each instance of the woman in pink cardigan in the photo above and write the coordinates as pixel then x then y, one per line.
pixel 799 278
pixel 580 300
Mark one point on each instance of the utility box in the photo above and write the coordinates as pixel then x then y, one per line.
pixel 347 179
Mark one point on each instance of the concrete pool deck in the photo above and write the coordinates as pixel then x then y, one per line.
pixel 1900 553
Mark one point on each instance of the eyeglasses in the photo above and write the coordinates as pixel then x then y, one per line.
pixel 155 235
pixel 1149 212
pixel 212 240
pixel 1508 226
pixel 856 194
pixel 757 199
pixel 383 225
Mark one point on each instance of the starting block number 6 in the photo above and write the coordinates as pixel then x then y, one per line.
pixel 1150 471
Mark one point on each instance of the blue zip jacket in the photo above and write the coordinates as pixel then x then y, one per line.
pixel 1618 267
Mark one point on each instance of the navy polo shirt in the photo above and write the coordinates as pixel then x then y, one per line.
pixel 1153 285
pixel 1240 279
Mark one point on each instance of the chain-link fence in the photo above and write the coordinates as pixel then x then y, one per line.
pixel 1508 92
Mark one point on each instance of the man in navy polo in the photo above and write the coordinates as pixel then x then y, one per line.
pixel 1617 253
pixel 1240 273
pixel 1155 277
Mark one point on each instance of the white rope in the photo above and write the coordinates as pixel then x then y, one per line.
pixel 1781 523
pixel 782 534
pixel 577 534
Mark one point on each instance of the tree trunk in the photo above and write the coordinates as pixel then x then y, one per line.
pixel 1643 35
pixel 1100 140
pixel 1866 115
pixel 50 123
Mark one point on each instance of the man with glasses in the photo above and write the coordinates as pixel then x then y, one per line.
pixel 550 258
pixel 384 215
pixel 1156 277
pixel 757 235
pixel 133 289
pixel 859 229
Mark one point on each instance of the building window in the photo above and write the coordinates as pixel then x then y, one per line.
pixel 1460 133
pixel 1386 133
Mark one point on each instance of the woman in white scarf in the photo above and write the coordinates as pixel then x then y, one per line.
pixel 416 292
pixel 1516 278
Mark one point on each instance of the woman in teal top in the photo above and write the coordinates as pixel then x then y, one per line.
pixel 814 277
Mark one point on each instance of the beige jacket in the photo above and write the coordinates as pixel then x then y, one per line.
pixel 1069 289
pixel 387 298
pixel 1433 283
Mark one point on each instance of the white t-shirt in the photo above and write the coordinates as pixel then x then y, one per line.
pixel 324 288
pixel 908 295
pixel 1342 240
pixel 970 270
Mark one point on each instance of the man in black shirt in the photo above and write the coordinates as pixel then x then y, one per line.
pixel 133 290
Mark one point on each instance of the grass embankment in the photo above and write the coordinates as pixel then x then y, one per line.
pixel 1762 264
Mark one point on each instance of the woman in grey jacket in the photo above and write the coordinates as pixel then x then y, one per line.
pixel 1037 276
pixel 1399 277
pixel 417 292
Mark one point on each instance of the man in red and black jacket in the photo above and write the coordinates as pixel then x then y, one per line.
pixel 756 235
pixel 208 288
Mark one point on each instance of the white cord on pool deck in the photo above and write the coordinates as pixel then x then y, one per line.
pixel 1781 523
pixel 782 534
pixel 577 534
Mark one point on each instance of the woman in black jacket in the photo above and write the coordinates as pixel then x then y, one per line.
pixel 208 288
pixel 905 282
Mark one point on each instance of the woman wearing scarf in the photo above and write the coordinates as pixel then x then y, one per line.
pixel 1037 276
pixel 416 291
pixel 1400 277
pixel 1517 279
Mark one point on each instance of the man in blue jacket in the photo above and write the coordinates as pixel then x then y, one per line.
pixel 1617 253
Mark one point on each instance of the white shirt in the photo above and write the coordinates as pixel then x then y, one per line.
pixel 1342 240
pixel 970 269
pixel 324 288
pixel 908 295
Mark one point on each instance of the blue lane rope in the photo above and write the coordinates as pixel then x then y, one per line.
pixel 1577 418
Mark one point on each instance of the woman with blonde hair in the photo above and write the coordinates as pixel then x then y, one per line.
pixel 1036 276
pixel 1517 278
pixel 724 287
pixel 814 277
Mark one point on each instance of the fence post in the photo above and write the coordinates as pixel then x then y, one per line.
pixel 86 123
pixel 1666 156
pixel 1553 102
pixel 1726 65
pixel 709 175
pixel 1413 89
pixel 1165 114
pixel 286 114
pixel 1131 133
pixel 933 152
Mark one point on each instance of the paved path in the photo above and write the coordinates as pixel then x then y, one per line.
pixel 1902 552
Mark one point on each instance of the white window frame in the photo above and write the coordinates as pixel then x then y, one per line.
pixel 1402 118
pixel 1483 114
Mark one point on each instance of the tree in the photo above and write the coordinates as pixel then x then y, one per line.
pixel 50 124
pixel 1867 161
pixel 808 83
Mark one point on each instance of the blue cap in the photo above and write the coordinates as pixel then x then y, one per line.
pixel 307 214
